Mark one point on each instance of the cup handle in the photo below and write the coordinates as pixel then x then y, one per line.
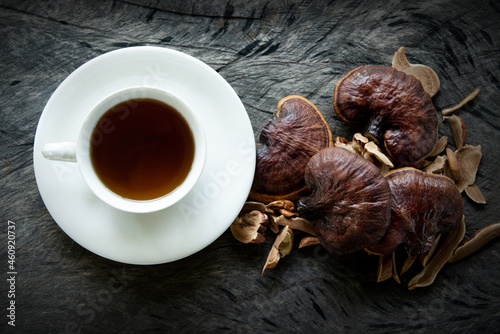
pixel 65 151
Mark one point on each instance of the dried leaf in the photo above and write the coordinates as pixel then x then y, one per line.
pixel 251 205
pixel 394 269
pixel 475 194
pixel 281 204
pixel 408 263
pixel 248 227
pixel 384 268
pixel 375 151
pixel 296 223
pixel 309 241
pixel 281 247
pixel 442 254
pixel 368 149
pixel 437 167
pixel 477 241
pixel 272 222
pixel 457 127
pixel 284 207
pixel 453 164
pixel 468 158
pixel 427 256
pixel 461 104
pixel 342 142
pixel 425 74
pixel 440 146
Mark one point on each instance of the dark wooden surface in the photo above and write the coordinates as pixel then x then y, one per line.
pixel 265 50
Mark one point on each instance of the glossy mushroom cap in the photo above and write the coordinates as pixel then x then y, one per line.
pixel 395 108
pixel 348 202
pixel 423 205
pixel 296 133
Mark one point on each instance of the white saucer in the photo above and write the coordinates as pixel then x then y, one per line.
pixel 199 218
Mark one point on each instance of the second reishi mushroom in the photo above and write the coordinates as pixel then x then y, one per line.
pixel 395 108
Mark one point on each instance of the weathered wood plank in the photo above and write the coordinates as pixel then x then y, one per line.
pixel 266 50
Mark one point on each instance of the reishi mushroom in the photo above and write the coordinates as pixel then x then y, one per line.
pixel 423 205
pixel 287 142
pixel 349 200
pixel 396 109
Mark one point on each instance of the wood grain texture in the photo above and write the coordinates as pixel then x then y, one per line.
pixel 266 50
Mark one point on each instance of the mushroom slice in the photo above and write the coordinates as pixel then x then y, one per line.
pixel 284 207
pixel 281 247
pixel 385 268
pixel 344 143
pixel 475 194
pixel 457 127
pixel 287 142
pixel 309 241
pixel 438 165
pixel 468 158
pixel 425 74
pixel 440 146
pixel 248 227
pixel 395 108
pixel 408 263
pixel 369 150
pixel 453 164
pixel 250 206
pixel 442 255
pixel 296 223
pixel 423 205
pixel 461 104
pixel 348 201
pixel 478 240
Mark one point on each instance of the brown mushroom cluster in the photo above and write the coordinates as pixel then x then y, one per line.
pixel 347 196
pixel 394 107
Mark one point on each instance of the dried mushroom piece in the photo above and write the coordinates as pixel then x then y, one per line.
pixel 425 74
pixel 396 109
pixel 453 164
pixel 437 166
pixel 469 98
pixel 440 146
pixel 475 194
pixel 251 205
pixel 309 241
pixel 468 158
pixel 438 260
pixel 457 127
pixel 367 149
pixel 287 142
pixel 423 205
pixel 281 247
pixel 284 207
pixel 248 227
pixel 296 223
pixel 476 242
pixel 370 151
pixel 348 200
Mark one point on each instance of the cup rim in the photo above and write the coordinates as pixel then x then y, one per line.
pixel 131 205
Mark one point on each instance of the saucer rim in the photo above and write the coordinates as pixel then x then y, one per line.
pixel 246 178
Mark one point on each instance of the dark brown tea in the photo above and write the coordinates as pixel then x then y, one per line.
pixel 142 149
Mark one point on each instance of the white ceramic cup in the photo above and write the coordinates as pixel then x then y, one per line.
pixel 79 152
